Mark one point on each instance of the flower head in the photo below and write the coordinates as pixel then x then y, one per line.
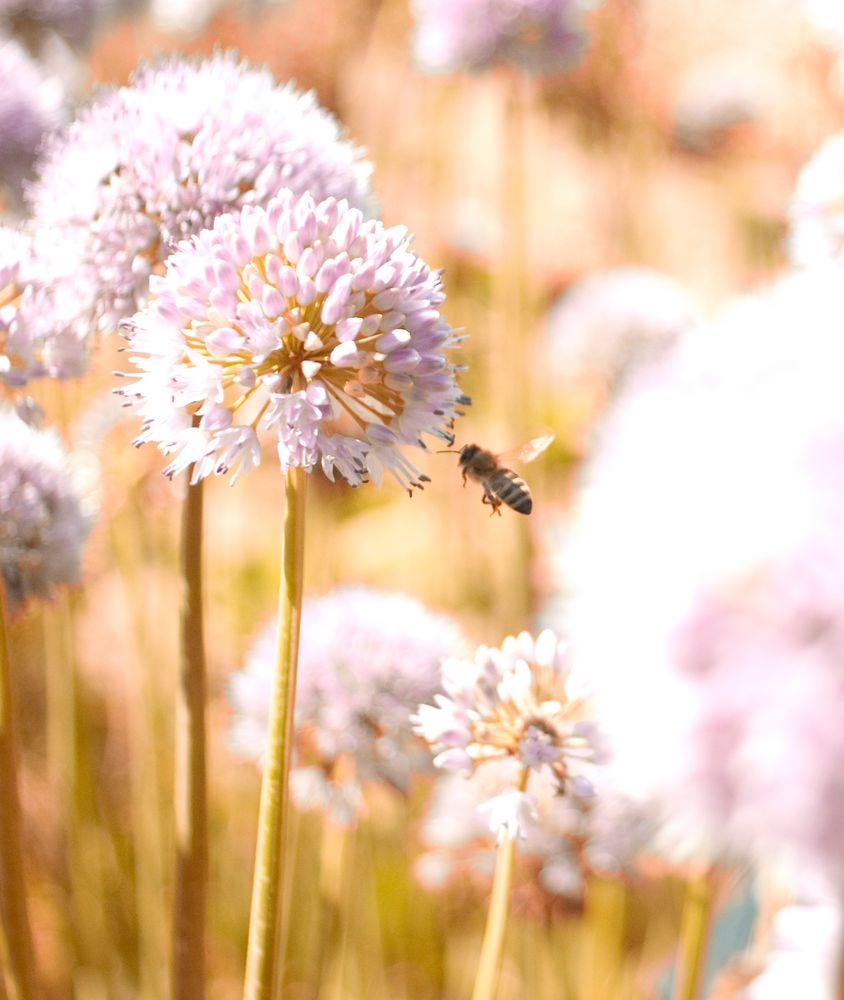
pixel 520 702
pixel 707 563
pixel 538 35
pixel 30 105
pixel 41 333
pixel 302 319
pixel 366 659
pixel 153 163
pixel 43 522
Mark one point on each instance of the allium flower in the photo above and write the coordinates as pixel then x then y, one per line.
pixel 520 702
pixel 148 165
pixel 42 521
pixel 817 207
pixel 41 332
pixel 305 320
pixel 30 105
pixel 610 322
pixel 366 660
pixel 707 566
pixel 537 35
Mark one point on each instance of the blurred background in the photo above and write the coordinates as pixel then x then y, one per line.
pixel 672 147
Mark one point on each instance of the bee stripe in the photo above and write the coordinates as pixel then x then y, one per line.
pixel 515 493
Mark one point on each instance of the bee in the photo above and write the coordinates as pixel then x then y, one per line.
pixel 501 485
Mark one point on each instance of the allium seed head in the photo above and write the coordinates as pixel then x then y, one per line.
pixel 366 660
pixel 43 523
pixel 302 319
pixel 153 163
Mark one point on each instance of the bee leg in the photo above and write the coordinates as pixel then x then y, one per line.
pixel 464 479
pixel 494 502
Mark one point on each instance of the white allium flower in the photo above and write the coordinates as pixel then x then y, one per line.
pixel 610 322
pixel 366 659
pixel 302 319
pixel 148 165
pixel 42 522
pixel 817 207
pixel 521 702
pixel 40 329
pixel 707 566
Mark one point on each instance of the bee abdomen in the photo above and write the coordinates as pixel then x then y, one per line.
pixel 511 490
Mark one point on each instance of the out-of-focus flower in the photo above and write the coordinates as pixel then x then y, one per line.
pixel 30 105
pixel 610 322
pixel 150 164
pixel 817 207
pixel 537 35
pixel 826 18
pixel 42 521
pixel 305 320
pixel 366 660
pixel 707 566
pixel 182 16
pixel 716 96
pixel 41 330
pixel 519 702
pixel 73 20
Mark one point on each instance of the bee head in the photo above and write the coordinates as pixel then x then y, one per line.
pixel 467 453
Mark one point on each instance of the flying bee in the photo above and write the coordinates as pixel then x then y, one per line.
pixel 501 485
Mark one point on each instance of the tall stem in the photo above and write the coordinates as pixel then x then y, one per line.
pixel 492 948
pixel 268 882
pixel 17 952
pixel 694 936
pixel 191 805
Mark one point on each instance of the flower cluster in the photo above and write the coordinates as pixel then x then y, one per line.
pixel 303 319
pixel 537 35
pixel 41 332
pixel 366 660
pixel 43 522
pixel 148 165
pixel 610 322
pixel 30 105
pixel 707 564
pixel 520 702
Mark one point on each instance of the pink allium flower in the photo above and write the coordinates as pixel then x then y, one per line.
pixel 366 660
pixel 43 520
pixel 610 322
pixel 518 702
pixel 30 105
pixel 40 329
pixel 150 164
pixel 817 207
pixel 707 566
pixel 537 35
pixel 307 321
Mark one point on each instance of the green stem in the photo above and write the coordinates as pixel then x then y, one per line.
pixel 694 936
pixel 18 952
pixel 190 792
pixel 492 949
pixel 268 882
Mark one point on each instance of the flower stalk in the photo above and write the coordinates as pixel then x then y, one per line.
pixel 191 796
pixel 273 817
pixel 18 953
pixel 492 948
pixel 694 935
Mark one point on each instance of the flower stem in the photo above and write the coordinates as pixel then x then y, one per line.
pixel 190 792
pixel 489 964
pixel 17 952
pixel 694 935
pixel 268 882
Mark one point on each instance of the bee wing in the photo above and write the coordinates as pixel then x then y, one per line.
pixel 534 448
